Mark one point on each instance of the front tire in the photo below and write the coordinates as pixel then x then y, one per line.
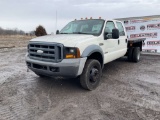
pixel 91 75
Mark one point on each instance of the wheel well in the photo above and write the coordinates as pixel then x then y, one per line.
pixel 138 44
pixel 97 56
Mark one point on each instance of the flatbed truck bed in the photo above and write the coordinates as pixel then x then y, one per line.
pixel 135 40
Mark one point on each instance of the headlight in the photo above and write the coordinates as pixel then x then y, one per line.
pixel 71 53
pixel 72 50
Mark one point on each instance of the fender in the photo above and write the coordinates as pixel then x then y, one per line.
pixel 92 49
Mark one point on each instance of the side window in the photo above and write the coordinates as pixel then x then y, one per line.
pixel 120 28
pixel 109 26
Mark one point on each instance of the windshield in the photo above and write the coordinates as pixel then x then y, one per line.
pixel 91 27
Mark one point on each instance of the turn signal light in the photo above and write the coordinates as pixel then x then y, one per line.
pixel 70 56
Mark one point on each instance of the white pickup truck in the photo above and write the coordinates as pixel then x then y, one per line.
pixel 81 49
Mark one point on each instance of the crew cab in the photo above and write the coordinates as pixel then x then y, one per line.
pixel 81 49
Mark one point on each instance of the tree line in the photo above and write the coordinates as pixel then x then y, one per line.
pixel 11 32
pixel 40 31
pixel 14 32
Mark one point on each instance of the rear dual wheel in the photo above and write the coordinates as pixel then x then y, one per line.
pixel 134 54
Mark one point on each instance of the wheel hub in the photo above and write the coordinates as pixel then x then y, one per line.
pixel 94 73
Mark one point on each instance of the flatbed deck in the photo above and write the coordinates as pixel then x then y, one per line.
pixel 134 40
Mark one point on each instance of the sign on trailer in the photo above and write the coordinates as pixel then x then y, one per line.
pixel 144 27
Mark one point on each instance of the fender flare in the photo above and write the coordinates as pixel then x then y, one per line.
pixel 92 49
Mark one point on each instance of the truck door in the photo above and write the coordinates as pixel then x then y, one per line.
pixel 111 45
pixel 122 41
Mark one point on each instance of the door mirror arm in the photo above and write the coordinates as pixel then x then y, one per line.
pixel 105 35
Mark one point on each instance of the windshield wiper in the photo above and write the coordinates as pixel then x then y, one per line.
pixel 64 33
pixel 79 33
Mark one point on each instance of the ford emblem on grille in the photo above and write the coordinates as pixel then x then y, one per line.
pixel 39 51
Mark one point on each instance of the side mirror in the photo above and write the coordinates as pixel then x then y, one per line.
pixel 115 33
pixel 57 32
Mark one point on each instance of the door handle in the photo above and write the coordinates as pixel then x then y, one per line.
pixel 118 41
pixel 126 40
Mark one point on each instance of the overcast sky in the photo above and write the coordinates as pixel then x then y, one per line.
pixel 28 14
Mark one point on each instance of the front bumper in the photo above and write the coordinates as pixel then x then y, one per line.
pixel 65 68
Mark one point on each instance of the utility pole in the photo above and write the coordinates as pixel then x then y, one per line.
pixel 56 22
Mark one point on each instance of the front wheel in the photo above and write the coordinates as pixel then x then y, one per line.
pixel 91 75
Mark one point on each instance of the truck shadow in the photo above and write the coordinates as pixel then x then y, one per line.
pixel 73 84
pixel 59 84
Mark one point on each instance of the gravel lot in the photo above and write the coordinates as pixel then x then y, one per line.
pixel 128 91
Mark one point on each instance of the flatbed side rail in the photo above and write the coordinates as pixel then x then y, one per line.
pixel 135 40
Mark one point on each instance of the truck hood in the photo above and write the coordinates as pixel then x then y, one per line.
pixel 69 40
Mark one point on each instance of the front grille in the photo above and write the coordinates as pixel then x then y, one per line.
pixel 50 52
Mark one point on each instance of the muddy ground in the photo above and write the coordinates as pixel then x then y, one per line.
pixel 128 91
